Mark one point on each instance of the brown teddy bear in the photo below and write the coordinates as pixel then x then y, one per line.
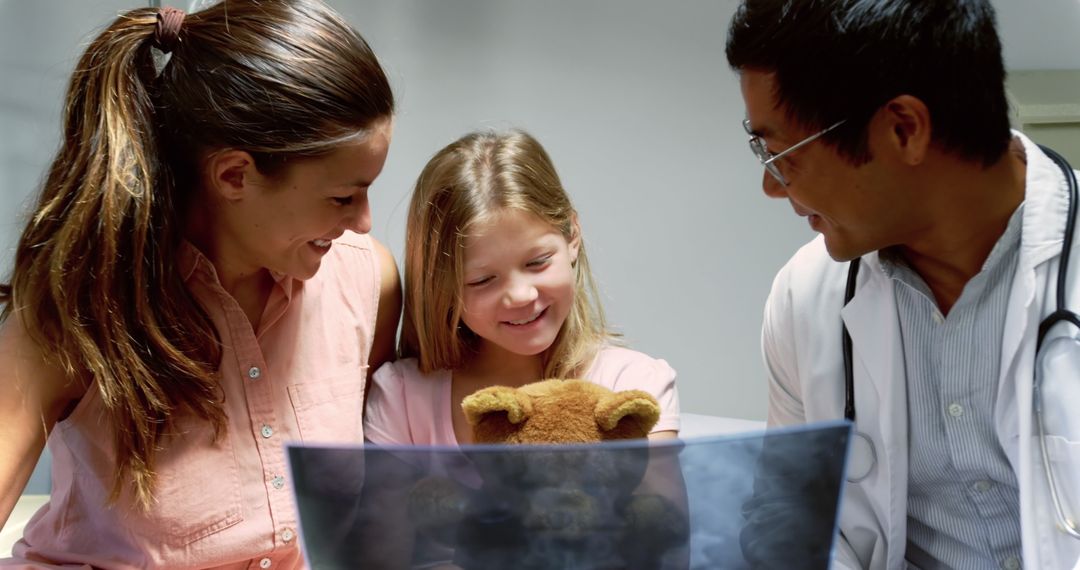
pixel 559 411
pixel 553 507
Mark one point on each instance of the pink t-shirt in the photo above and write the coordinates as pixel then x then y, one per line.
pixel 229 505
pixel 409 408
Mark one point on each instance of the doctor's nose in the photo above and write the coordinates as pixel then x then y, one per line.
pixel 772 187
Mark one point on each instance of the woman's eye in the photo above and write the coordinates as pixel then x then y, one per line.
pixel 342 200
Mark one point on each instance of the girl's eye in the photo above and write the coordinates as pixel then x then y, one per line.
pixel 478 282
pixel 342 200
pixel 539 262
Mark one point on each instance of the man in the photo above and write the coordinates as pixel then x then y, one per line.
pixel 885 124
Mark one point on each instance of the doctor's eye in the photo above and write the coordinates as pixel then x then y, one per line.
pixel 342 200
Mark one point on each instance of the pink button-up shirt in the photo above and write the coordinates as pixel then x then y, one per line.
pixel 229 504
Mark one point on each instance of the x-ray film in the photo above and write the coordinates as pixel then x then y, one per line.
pixel 756 500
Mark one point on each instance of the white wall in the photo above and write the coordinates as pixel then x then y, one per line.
pixel 635 103
pixel 637 107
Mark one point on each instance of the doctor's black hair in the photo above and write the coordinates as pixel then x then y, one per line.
pixel 843 59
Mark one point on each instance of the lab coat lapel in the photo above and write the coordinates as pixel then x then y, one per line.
pixel 1032 298
pixel 878 362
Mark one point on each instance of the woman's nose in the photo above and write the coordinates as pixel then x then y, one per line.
pixel 358 218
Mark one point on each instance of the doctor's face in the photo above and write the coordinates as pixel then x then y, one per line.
pixel 843 202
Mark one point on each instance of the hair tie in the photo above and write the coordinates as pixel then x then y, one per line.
pixel 167 29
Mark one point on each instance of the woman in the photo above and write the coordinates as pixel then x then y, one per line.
pixel 195 287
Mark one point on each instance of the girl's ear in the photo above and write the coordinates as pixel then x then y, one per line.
pixel 575 239
pixel 230 174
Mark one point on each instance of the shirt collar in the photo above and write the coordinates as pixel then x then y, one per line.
pixel 193 262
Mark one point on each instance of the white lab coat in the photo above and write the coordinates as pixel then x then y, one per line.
pixel 801 341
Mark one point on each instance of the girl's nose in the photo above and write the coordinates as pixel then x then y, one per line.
pixel 520 292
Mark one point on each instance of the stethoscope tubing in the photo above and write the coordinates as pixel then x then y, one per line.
pixel 1059 315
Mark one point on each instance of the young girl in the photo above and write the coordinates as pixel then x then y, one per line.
pixel 195 287
pixel 497 292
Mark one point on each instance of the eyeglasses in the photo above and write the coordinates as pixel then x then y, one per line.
pixel 768 159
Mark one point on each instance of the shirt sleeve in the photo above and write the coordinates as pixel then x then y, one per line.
pixel 785 405
pixel 386 419
pixel 661 378
pixel 638 371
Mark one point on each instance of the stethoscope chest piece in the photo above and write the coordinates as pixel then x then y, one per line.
pixel 862 456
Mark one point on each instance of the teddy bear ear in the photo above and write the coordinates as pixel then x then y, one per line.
pixel 627 414
pixel 497 400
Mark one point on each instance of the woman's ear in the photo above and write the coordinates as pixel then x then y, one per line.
pixel 575 238
pixel 230 173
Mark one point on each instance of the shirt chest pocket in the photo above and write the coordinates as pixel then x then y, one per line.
pixel 186 508
pixel 331 410
pixel 1064 456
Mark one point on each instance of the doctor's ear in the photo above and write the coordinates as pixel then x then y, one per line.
pixel 903 127
pixel 230 173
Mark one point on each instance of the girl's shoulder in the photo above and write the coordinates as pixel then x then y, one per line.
pixel 348 249
pixel 352 241
pixel 616 366
pixel 406 372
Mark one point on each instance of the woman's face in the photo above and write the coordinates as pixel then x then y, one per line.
pixel 288 222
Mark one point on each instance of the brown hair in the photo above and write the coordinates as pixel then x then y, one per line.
pixel 469 181
pixel 96 280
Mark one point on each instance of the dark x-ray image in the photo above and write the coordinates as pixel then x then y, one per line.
pixel 758 500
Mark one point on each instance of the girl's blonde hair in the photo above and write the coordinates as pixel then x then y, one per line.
pixel 96 280
pixel 469 181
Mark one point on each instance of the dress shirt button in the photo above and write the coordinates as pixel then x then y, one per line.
pixel 267 431
pixel 264 563
pixel 254 372
pixel 287 535
pixel 1011 563
pixel 278 482
pixel 982 486
pixel 956 410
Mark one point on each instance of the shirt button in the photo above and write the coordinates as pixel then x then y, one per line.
pixel 264 563
pixel 267 431
pixel 1011 563
pixel 254 372
pixel 956 410
pixel 982 486
pixel 287 535
pixel 278 482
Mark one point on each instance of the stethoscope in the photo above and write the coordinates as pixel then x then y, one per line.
pixel 863 455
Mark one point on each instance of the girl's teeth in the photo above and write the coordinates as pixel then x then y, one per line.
pixel 526 321
pixel 321 242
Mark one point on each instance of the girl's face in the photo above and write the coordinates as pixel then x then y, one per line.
pixel 519 283
pixel 287 223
